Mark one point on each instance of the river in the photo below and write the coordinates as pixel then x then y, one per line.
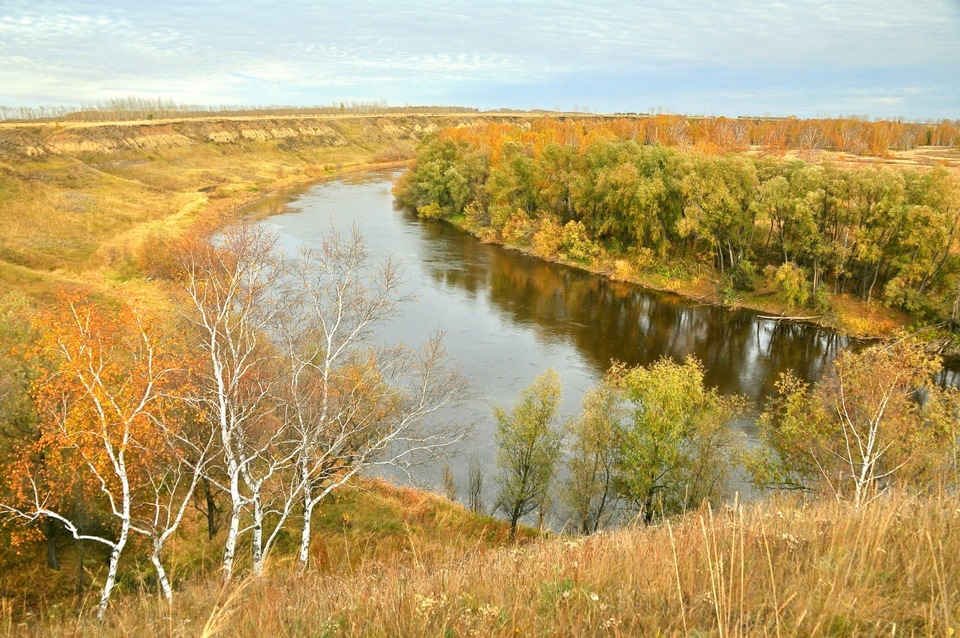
pixel 507 317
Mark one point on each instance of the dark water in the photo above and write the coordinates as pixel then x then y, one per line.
pixel 508 317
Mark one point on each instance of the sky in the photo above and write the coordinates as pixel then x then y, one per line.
pixel 874 58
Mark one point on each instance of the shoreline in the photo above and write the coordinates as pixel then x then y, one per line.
pixel 703 290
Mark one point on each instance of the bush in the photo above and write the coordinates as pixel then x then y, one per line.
pixel 547 240
pixel 576 245
pixel 792 283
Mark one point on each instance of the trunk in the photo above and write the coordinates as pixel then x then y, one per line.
pixel 257 535
pixel 79 571
pixel 873 283
pixel 49 533
pixel 161 573
pixel 211 509
pixel 305 533
pixel 514 519
pixel 112 570
pixel 305 530
pixel 230 547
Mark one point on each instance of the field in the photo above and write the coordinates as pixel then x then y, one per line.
pixel 778 568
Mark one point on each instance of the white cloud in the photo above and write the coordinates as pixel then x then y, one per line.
pixel 242 50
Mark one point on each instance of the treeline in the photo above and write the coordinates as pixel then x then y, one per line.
pixel 596 194
pixel 140 108
pixel 712 135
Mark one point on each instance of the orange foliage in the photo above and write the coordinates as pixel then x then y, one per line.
pixel 711 135
pixel 106 387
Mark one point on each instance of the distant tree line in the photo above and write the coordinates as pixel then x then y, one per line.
pixel 855 135
pixel 589 193
pixel 140 108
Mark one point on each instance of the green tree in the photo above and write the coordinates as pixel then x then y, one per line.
pixel 719 207
pixel 877 421
pixel 528 441
pixel 592 466
pixel 677 447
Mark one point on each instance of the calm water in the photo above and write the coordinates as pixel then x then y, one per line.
pixel 508 317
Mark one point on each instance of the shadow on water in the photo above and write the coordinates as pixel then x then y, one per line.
pixel 609 321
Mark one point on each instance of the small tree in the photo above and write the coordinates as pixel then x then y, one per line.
pixel 475 485
pixel 528 441
pixel 878 420
pixel 589 490
pixel 678 447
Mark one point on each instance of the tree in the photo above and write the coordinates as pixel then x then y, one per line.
pixel 877 421
pixel 232 297
pixel 590 488
pixel 528 448
pixel 678 445
pixel 299 393
pixel 352 405
pixel 475 485
pixel 106 398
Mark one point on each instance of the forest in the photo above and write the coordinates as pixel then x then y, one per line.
pixel 602 195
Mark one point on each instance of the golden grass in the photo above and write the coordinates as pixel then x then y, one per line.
pixel 83 208
pixel 773 568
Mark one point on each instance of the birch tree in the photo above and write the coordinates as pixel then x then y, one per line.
pixel 232 292
pixel 106 384
pixel 352 403
pixel 876 421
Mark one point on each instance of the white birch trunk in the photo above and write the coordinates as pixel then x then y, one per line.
pixel 257 535
pixel 230 546
pixel 112 570
pixel 161 574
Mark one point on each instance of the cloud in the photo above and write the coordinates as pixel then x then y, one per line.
pixel 251 50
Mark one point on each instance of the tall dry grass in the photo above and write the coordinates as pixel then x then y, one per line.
pixel 774 568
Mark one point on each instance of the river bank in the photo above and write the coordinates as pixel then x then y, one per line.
pixel 845 314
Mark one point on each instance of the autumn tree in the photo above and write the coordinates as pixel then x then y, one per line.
pixel 105 400
pixel 231 293
pixel 678 445
pixel 300 393
pixel 528 448
pixel 876 421
pixel 353 405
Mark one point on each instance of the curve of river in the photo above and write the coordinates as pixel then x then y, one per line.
pixel 508 316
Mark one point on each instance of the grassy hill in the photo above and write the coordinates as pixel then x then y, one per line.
pixel 83 203
pixel 416 565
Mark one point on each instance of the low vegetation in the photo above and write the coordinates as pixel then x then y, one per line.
pixel 777 568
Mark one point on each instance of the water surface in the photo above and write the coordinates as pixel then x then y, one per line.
pixel 508 317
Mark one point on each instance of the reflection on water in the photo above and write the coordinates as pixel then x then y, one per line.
pixel 613 321
pixel 507 317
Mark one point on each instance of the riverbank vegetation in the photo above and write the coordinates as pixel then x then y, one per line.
pixel 824 239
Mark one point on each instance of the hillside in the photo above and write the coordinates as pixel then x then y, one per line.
pixel 83 202
pixel 778 568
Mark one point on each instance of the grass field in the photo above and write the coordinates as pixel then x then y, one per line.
pixel 421 566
